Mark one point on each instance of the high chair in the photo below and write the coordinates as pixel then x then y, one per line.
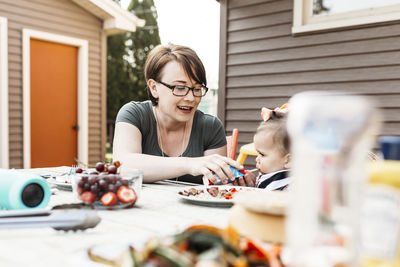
pixel 244 151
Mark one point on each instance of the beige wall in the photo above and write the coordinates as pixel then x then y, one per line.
pixel 263 64
pixel 60 17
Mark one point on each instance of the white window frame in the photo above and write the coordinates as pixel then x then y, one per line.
pixel 4 162
pixel 304 21
pixel 82 89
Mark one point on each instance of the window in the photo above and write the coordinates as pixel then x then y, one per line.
pixel 315 15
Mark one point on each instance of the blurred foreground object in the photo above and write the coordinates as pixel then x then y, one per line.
pixel 198 245
pixel 261 215
pixel 68 219
pixel 380 228
pixel 331 135
pixel 22 190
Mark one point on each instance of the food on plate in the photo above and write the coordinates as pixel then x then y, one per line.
pixel 213 192
pixel 198 245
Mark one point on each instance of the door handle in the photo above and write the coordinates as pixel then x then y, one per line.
pixel 75 127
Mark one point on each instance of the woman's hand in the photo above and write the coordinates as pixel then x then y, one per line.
pixel 214 165
pixel 249 180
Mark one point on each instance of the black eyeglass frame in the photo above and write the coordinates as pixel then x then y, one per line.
pixel 172 87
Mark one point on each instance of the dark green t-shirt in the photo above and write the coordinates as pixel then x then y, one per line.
pixel 207 132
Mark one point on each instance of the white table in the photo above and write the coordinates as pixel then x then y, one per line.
pixel 159 211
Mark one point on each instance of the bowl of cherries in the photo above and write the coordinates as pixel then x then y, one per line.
pixel 106 188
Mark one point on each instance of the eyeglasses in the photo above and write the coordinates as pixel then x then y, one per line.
pixel 181 90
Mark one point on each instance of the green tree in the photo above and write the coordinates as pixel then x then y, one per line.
pixel 126 55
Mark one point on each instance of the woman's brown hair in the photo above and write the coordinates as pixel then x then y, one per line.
pixel 160 55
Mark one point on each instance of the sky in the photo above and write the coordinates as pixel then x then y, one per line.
pixel 194 23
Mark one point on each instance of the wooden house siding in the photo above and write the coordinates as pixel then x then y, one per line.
pixel 263 64
pixel 59 17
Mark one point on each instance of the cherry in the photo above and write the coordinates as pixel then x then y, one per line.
pixel 103 184
pixel 99 166
pixel 112 169
pixel 106 167
pixel 92 179
pixel 116 164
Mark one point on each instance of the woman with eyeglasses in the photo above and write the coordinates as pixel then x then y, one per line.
pixel 166 136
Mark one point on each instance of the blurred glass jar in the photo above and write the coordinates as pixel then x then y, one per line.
pixel 134 176
pixel 108 190
pixel 331 135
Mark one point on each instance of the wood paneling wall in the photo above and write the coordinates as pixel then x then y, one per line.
pixel 263 64
pixel 59 17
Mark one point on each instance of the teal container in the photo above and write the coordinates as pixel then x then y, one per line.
pixel 22 190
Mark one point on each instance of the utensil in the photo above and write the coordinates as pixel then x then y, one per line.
pixel 72 171
pixel 58 219
pixel 252 170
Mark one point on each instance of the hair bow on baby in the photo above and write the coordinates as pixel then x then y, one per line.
pixel 266 113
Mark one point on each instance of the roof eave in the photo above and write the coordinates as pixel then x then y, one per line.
pixel 115 19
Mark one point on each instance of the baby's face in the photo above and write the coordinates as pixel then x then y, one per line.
pixel 270 158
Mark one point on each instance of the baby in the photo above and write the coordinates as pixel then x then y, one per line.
pixel 272 143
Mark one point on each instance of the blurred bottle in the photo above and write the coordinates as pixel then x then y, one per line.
pixel 380 228
pixel 331 135
pixel 22 190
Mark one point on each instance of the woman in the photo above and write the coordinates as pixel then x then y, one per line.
pixel 168 137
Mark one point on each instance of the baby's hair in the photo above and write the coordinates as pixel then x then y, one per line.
pixel 276 125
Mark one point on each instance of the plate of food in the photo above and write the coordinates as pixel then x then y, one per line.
pixel 61 182
pixel 221 195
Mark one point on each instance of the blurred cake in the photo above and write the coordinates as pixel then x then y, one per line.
pixel 260 214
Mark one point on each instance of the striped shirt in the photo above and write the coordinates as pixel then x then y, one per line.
pixel 274 181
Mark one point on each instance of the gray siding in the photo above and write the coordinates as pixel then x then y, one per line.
pixel 59 17
pixel 263 64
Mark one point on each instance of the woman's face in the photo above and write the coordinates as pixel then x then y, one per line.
pixel 180 108
pixel 270 158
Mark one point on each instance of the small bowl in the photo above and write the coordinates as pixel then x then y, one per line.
pixel 107 191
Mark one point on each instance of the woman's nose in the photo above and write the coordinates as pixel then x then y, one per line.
pixel 189 96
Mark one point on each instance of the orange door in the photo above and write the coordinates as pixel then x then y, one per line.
pixel 54 106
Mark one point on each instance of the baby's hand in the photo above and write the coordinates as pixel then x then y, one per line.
pixel 249 180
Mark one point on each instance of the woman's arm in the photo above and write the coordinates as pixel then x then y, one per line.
pixel 127 148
